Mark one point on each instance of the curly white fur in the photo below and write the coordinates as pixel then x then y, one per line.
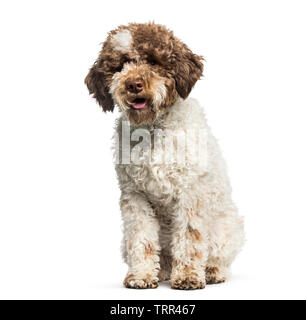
pixel 179 219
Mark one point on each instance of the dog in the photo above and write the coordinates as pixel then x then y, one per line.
pixel 179 221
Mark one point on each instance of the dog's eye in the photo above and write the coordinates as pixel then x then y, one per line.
pixel 115 68
pixel 152 62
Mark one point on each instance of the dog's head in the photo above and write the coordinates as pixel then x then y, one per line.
pixel 143 69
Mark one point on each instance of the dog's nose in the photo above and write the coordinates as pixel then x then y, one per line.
pixel 134 85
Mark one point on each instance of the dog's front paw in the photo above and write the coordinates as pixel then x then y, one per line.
pixel 187 283
pixel 148 282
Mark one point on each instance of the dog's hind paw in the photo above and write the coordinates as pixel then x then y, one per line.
pixel 214 275
pixel 188 283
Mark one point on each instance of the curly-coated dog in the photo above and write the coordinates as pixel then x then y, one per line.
pixel 180 223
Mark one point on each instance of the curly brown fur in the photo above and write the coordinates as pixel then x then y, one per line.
pixel 156 57
pixel 214 276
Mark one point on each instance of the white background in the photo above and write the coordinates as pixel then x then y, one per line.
pixel 60 226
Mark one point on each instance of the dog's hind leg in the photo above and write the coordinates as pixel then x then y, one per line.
pixel 226 237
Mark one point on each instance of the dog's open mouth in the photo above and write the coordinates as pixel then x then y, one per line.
pixel 139 103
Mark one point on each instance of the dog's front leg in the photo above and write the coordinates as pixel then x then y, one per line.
pixel 189 249
pixel 141 241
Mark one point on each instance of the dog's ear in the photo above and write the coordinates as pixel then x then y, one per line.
pixel 95 81
pixel 188 70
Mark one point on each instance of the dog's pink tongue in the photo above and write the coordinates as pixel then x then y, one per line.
pixel 139 105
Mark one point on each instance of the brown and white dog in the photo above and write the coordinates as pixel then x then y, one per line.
pixel 180 223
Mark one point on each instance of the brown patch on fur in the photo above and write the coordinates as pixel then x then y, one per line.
pixel 197 255
pixel 95 81
pixel 187 279
pixel 130 244
pixel 189 270
pixel 175 263
pixel 149 250
pixel 123 203
pixel 147 283
pixel 199 204
pixel 188 283
pixel 100 75
pixel 171 55
pixel 157 55
pixel 127 279
pixel 195 234
pixel 212 275
pixel 191 212
pixel 211 270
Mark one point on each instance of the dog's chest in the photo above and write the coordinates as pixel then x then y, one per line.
pixel 160 160
pixel 160 171
pixel 159 182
